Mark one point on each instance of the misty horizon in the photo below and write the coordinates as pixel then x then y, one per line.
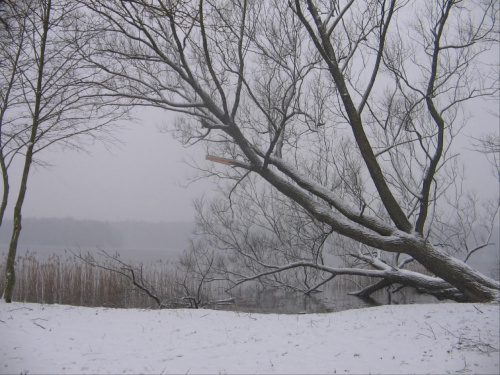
pixel 138 240
pixel 142 176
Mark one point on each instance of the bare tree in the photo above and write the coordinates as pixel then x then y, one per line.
pixel 187 283
pixel 47 99
pixel 348 109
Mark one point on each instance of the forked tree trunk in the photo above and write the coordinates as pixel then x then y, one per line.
pixel 28 160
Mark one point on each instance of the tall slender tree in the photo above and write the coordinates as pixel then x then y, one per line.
pixel 44 101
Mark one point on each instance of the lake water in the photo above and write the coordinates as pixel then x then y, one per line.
pixel 253 299
pixel 332 299
pixel 43 253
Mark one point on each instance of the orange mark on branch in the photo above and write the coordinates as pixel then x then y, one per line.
pixel 217 159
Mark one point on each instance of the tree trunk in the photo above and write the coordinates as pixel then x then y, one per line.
pixel 10 272
pixel 6 188
pixel 473 285
pixel 16 231
pixel 28 160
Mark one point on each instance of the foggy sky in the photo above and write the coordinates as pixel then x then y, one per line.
pixel 140 179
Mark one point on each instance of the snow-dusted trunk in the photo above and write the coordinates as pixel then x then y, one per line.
pixel 474 286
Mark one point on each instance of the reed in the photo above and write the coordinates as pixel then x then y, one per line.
pixel 66 280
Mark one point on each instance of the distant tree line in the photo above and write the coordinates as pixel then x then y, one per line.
pixel 70 233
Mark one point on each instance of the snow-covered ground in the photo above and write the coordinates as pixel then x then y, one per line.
pixel 434 338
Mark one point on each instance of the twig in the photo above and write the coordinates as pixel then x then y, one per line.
pixel 478 309
pixel 39 325
pixel 464 369
pixel 21 308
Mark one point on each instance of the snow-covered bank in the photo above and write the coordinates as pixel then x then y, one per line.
pixel 437 338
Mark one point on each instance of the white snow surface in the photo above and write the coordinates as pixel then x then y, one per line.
pixel 419 339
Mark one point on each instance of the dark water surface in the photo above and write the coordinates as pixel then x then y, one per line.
pixel 334 298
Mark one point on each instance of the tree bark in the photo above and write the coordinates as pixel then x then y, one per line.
pixel 28 160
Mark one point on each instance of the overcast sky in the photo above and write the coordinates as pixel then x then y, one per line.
pixel 142 178
pixel 138 180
